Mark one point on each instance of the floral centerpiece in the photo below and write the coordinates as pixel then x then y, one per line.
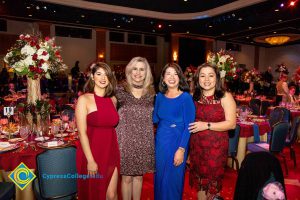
pixel 252 75
pixel 189 73
pixel 225 62
pixel 282 69
pixel 34 57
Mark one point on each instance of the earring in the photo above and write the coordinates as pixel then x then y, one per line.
pixel 164 84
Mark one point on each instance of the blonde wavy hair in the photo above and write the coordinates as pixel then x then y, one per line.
pixel 148 82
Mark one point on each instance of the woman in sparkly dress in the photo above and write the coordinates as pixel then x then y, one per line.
pixel 135 129
pixel 174 110
pixel 215 115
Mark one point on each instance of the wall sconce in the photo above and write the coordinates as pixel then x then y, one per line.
pixel 175 56
pixel 101 56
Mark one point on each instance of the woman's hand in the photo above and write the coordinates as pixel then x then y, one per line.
pixel 197 126
pixel 178 157
pixel 92 168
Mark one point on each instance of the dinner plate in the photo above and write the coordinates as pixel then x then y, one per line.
pixel 14 140
pixel 40 139
pixel 45 145
pixel 7 133
pixel 61 135
pixel 9 148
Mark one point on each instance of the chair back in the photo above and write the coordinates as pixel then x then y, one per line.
pixel 264 107
pixel 57 162
pixel 294 130
pixel 256 169
pixel 286 115
pixel 278 136
pixel 276 116
pixel 255 105
pixel 234 135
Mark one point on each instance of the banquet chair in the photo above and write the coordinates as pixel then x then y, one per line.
pixel 277 142
pixel 291 139
pixel 234 135
pixel 7 191
pixel 264 107
pixel 56 162
pixel 257 170
pixel 255 105
pixel 276 116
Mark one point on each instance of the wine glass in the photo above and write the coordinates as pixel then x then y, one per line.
pixel 24 132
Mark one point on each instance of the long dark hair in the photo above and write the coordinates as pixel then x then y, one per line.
pixel 219 91
pixel 183 86
pixel 90 84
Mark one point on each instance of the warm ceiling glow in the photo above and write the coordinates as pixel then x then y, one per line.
pixel 277 40
pixel 175 56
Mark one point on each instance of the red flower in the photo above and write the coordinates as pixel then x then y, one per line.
pixel 37 46
pixel 22 37
pixel 34 57
pixel 47 39
pixel 44 53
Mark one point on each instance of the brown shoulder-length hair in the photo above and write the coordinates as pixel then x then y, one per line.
pixel 219 91
pixel 111 87
pixel 183 86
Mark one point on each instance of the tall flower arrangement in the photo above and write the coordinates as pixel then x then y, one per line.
pixel 225 62
pixel 252 75
pixel 34 57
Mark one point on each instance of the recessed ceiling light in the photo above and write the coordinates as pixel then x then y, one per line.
pixel 28 7
pixel 250 27
pixel 29 15
pixel 45 7
pixel 115 19
pixel 118 26
pixel 276 10
pixel 233 15
pixel 279 20
pixel 37 7
pixel 54 11
pixel 274 32
pixel 223 34
pixel 131 19
pixel 240 18
pixel 187 32
pixel 153 31
pixel 185 0
pixel 82 16
pixel 170 25
pixel 210 26
pixel 247 37
pixel 151 22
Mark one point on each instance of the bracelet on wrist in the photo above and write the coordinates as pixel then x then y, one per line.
pixel 208 125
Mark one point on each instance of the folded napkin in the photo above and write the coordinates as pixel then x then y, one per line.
pixel 4 145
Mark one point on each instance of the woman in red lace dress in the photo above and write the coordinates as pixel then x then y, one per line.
pixel 215 115
pixel 98 156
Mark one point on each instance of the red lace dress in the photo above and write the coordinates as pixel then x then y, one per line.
pixel 208 149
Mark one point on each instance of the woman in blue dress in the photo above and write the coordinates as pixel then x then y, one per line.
pixel 173 111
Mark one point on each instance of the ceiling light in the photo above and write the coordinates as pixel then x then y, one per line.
pixel 82 16
pixel 29 15
pixel 54 11
pixel 185 0
pixel 153 31
pixel 45 7
pixel 247 37
pixel 37 7
pixel 170 25
pixel 274 32
pixel 118 26
pixel 277 40
pixel 188 32
pixel 279 20
pixel 240 18
pixel 223 34
pixel 250 27
pixel 281 5
pixel 28 7
pixel 276 10
pixel 292 3
pixel 210 26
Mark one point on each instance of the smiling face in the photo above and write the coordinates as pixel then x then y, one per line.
pixel 207 79
pixel 171 78
pixel 100 78
pixel 138 73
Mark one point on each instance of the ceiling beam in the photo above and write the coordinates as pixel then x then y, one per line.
pixel 155 14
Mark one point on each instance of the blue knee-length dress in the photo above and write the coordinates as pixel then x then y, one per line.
pixel 173 116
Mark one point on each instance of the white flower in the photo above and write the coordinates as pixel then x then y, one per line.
pixel 45 67
pixel 41 56
pixel 8 55
pixel 28 50
pixel 19 66
pixel 233 70
pixel 224 58
pixel 222 73
pixel 28 61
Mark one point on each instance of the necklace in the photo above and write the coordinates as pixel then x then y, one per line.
pixel 137 86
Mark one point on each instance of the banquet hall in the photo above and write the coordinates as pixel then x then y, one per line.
pixel 48 49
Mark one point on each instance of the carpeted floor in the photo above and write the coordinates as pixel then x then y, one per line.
pixel 292 182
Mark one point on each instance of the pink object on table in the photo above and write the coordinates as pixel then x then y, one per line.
pixel 3 121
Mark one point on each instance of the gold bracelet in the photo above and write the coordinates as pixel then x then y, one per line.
pixel 182 149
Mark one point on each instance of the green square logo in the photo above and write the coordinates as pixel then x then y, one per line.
pixel 22 176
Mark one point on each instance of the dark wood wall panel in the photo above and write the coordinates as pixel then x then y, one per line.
pixel 125 52
pixel 100 42
pixel 6 41
pixel 44 28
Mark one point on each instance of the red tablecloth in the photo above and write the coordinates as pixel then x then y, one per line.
pixel 247 130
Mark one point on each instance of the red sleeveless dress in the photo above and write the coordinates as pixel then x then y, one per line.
pixel 104 146
pixel 208 149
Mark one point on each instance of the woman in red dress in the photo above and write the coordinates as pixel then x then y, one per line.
pixel 98 155
pixel 215 115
